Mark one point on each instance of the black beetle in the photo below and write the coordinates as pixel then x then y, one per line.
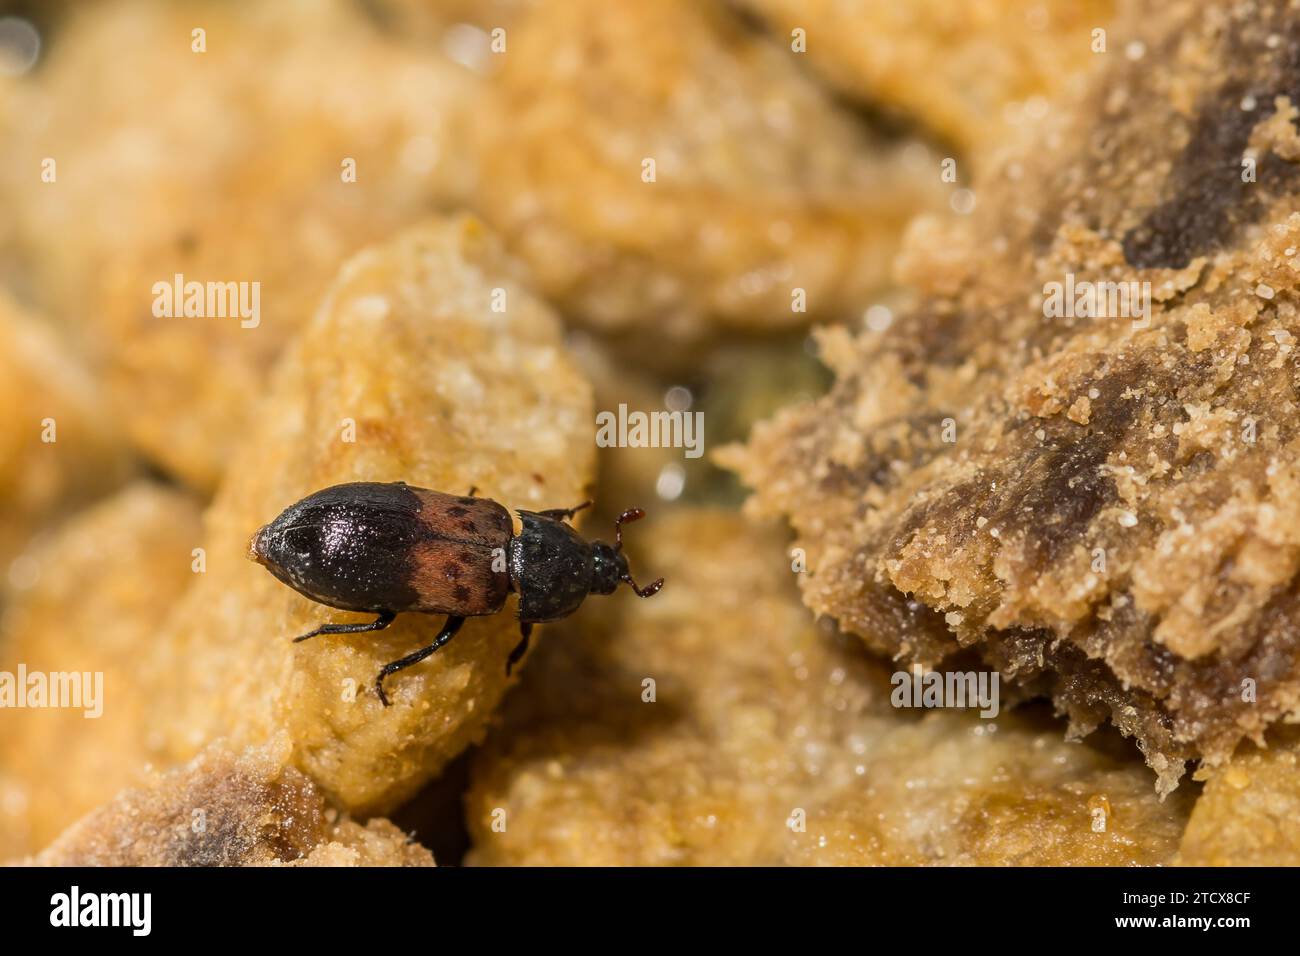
pixel 390 548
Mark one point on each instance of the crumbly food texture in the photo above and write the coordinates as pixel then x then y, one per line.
pixel 1111 524
pixel 1104 507
pixel 405 373
pixel 247 163
pixel 971 72
pixel 662 733
pixel 59 446
pixel 228 808
pixel 90 599
pixel 760 184
pixel 1249 814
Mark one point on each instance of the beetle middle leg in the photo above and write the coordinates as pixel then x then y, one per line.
pixel 525 631
pixel 564 514
pixel 378 624
pixel 448 631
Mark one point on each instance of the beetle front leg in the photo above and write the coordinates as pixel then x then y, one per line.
pixel 378 624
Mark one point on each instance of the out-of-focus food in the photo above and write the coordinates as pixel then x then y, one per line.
pixel 665 171
pixel 968 71
pixel 92 600
pixel 719 725
pixel 230 809
pixel 463 29
pixel 406 373
pixel 718 400
pixel 247 147
pixel 59 446
pixel 1062 443
pixel 1078 454
pixel 630 476
pixel 1249 814
pixel 943 793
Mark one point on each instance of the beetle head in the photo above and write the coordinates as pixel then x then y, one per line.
pixel 611 568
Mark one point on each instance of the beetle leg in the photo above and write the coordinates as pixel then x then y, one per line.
pixel 525 631
pixel 564 514
pixel 448 631
pixel 378 624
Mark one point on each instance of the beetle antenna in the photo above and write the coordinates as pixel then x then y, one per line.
pixel 645 592
pixel 632 514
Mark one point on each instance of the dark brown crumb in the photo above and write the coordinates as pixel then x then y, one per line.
pixel 1106 505
pixel 229 809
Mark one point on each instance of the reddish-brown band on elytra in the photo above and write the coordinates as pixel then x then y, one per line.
pixel 461 568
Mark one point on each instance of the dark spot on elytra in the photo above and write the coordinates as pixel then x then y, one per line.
pixel 467 501
pixel 469 525
pixel 465 557
pixel 461 592
pixel 456 511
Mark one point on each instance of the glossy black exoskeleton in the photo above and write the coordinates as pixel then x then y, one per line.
pixel 392 548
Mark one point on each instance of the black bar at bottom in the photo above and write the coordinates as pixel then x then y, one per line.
pixel 381 907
